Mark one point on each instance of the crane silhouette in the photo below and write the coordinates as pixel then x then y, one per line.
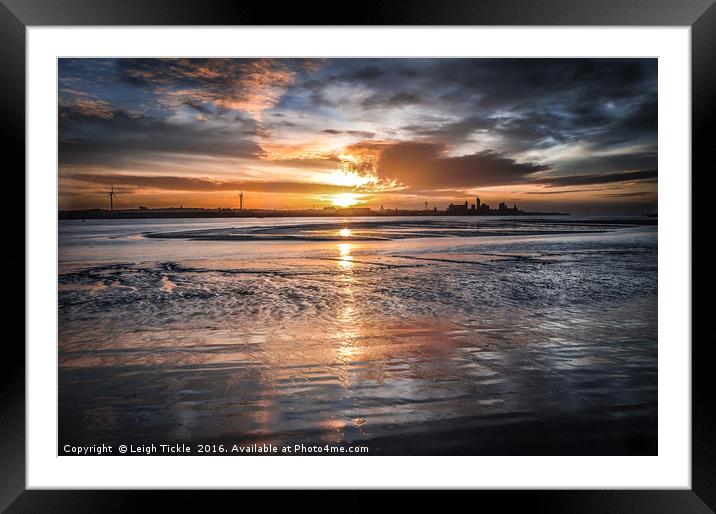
pixel 111 194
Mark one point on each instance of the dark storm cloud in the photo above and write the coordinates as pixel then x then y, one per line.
pixel 528 103
pixel 363 73
pixel 633 159
pixel 603 178
pixel 632 194
pixel 357 133
pixel 564 191
pixel 522 105
pixel 454 130
pixel 325 162
pixel 579 88
pixel 194 184
pixel 556 118
pixel 399 99
pixel 426 165
pixel 96 134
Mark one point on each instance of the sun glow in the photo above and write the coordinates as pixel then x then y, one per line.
pixel 345 199
pixel 349 178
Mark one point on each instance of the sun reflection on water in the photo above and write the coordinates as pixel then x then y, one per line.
pixel 344 232
pixel 344 252
pixel 347 329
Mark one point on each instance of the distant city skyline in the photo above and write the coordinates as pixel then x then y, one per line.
pixel 574 135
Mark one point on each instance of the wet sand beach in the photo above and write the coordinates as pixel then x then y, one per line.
pixel 412 337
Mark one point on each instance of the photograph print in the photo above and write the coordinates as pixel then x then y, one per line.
pixel 357 256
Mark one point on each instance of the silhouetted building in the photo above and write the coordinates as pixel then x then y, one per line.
pixel 482 209
pixel 355 211
pixel 458 208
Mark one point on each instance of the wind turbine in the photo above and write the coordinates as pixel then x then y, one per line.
pixel 111 194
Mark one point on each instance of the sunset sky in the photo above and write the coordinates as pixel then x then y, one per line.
pixel 575 135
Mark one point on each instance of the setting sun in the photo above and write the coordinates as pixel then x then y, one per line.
pixel 345 199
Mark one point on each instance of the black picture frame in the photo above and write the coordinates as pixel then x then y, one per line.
pixel 17 15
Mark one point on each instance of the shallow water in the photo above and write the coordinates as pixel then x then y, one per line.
pixel 408 335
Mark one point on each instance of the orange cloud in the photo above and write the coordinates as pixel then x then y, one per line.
pixel 90 108
pixel 250 86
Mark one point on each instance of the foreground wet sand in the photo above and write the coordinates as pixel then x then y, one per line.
pixel 509 341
